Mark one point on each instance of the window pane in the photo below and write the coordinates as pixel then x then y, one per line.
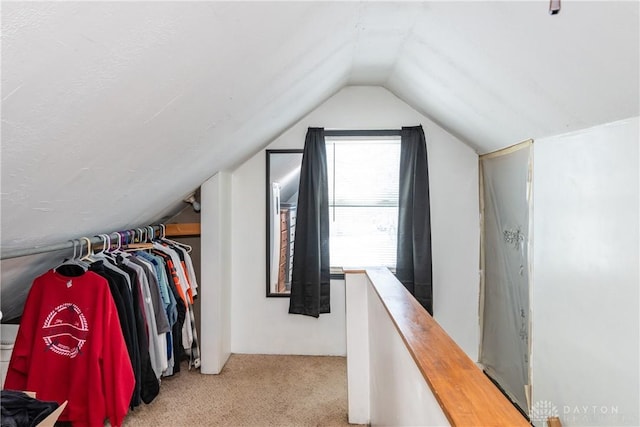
pixel 365 172
pixel 363 201
pixel 363 236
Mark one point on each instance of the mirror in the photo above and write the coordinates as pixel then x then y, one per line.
pixel 283 178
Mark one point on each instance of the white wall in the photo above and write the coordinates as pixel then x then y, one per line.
pixel 358 351
pixel 585 322
pixel 215 283
pixel 399 393
pixel 385 386
pixel 262 325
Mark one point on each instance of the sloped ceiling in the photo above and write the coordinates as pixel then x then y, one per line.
pixel 113 112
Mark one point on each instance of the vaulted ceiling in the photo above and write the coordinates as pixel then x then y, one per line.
pixel 113 112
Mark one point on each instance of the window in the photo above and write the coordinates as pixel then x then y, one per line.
pixel 363 200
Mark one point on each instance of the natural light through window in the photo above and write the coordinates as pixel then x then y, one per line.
pixel 363 200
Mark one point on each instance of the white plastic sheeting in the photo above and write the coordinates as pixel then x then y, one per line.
pixel 504 349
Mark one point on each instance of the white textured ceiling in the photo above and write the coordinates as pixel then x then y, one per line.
pixel 112 112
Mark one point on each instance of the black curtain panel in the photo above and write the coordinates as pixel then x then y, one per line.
pixel 413 265
pixel 310 279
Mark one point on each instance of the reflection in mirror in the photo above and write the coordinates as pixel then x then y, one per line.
pixel 283 178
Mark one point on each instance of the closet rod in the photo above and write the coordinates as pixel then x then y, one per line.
pixel 16 253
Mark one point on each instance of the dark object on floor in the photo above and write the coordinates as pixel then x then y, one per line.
pixel 19 409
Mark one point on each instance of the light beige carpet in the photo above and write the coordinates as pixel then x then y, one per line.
pixel 253 390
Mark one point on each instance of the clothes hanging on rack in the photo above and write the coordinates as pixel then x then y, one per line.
pixel 150 294
pixel 119 287
pixel 152 320
pixel 166 314
pixel 70 347
pixel 124 288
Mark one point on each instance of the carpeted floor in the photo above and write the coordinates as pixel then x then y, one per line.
pixel 253 390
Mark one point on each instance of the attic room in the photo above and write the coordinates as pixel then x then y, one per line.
pixel 121 116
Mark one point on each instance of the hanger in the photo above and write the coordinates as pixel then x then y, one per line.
pixel 74 260
pixel 130 238
pixel 119 244
pixel 182 245
pixel 143 235
pixel 173 242
pixel 133 246
pixel 87 257
pixel 75 243
pixel 125 238
pixel 106 242
pixel 106 247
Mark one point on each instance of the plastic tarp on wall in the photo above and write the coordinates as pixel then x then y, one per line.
pixel 504 351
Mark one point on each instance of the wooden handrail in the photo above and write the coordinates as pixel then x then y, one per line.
pixel 466 395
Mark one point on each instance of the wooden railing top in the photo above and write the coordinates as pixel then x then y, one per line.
pixel 466 395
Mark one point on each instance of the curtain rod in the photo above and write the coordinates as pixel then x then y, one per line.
pixel 69 244
pixel 372 132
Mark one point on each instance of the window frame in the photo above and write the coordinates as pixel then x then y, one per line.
pixel 337 272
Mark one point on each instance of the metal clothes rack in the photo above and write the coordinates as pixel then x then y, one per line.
pixel 70 244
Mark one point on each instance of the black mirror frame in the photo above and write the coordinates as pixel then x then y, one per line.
pixel 268 154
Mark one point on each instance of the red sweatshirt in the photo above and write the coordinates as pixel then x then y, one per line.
pixel 70 347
